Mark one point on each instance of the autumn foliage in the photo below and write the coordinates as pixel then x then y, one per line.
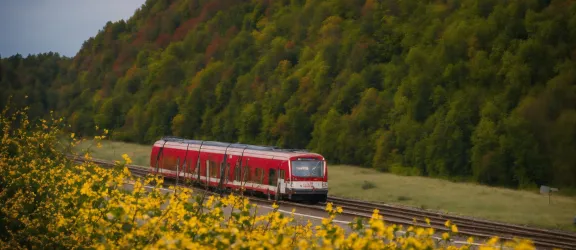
pixel 479 91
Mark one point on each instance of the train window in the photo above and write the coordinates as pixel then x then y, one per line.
pixel 237 173
pixel 227 171
pixel 206 168
pixel 282 174
pixel 213 169
pixel 246 173
pixel 217 169
pixel 308 168
pixel 272 177
pixel 260 176
pixel 256 177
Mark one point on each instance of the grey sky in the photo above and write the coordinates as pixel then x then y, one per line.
pixel 37 26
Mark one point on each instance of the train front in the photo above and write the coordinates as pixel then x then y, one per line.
pixel 308 179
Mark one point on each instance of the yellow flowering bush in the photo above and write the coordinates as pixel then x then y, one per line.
pixel 49 201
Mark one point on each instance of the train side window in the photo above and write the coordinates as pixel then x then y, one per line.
pixel 217 169
pixel 227 172
pixel 272 178
pixel 213 169
pixel 282 176
pixel 246 173
pixel 237 173
pixel 206 168
pixel 260 176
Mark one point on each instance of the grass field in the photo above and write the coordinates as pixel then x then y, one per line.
pixel 521 207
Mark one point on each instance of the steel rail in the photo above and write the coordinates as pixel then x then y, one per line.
pixel 542 238
pixel 470 228
pixel 557 235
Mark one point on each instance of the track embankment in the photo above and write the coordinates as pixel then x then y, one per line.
pixel 478 228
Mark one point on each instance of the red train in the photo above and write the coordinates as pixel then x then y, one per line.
pixel 278 173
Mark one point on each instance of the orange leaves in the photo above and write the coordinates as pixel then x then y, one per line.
pixel 289 45
pixel 207 11
pixel 163 40
pixel 212 47
pixel 368 7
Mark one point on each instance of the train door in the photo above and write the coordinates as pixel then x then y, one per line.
pixel 159 159
pixel 177 170
pixel 183 170
pixel 198 163
pixel 234 162
pixel 227 173
pixel 206 174
pixel 245 173
pixel 224 169
pixel 281 189
pixel 273 178
pixel 238 167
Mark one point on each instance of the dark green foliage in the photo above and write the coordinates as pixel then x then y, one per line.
pixel 34 81
pixel 479 90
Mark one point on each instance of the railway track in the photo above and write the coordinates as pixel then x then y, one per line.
pixel 483 229
pixel 466 226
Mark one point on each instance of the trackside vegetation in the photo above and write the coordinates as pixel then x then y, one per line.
pixel 52 202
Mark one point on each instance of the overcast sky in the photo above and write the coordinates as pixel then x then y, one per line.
pixel 37 26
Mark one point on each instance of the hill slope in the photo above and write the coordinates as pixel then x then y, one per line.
pixel 482 90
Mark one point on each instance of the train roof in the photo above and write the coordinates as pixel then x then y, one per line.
pixel 233 145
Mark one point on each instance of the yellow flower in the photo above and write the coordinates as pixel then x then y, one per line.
pixel 127 159
pixel 493 240
pixel 329 207
pixel 72 135
pixel 126 171
pixel 454 229
pixel 445 236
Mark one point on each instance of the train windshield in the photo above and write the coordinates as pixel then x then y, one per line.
pixel 308 168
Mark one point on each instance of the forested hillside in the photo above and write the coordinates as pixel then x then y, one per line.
pixel 32 81
pixel 475 89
